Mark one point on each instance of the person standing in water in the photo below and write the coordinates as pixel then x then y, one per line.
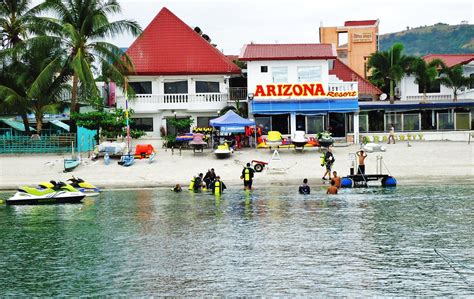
pixel 337 179
pixel 332 189
pixel 218 186
pixel 247 176
pixel 304 189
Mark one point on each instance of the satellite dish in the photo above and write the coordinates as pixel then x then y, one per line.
pixel 383 97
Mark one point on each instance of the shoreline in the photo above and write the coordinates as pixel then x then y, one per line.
pixel 421 163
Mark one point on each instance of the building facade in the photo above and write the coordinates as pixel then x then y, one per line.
pixel 434 117
pixel 177 74
pixel 354 42
pixel 290 88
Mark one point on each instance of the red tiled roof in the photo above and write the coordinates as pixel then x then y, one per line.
pixel 345 73
pixel 168 46
pixel 360 23
pixel 287 52
pixel 450 59
pixel 232 57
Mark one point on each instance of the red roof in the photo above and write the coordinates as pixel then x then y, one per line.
pixel 360 23
pixel 450 59
pixel 170 47
pixel 345 73
pixel 287 52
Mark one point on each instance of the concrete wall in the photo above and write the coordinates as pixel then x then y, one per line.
pixel 426 136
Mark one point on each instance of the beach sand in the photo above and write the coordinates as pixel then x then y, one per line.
pixel 422 162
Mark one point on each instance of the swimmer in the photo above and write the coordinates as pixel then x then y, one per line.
pixel 337 179
pixel 304 189
pixel 332 189
pixel 177 188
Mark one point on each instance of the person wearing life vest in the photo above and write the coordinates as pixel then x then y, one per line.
pixel 196 183
pixel 328 161
pixel 247 176
pixel 218 186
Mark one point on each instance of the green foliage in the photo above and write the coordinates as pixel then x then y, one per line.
pixel 110 124
pixel 169 141
pixel 425 73
pixel 180 123
pixel 438 38
pixel 453 77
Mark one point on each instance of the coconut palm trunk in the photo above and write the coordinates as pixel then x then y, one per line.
pixel 26 123
pixel 73 107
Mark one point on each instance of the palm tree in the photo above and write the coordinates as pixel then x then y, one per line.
pixel 453 77
pixel 388 67
pixel 82 25
pixel 17 22
pixel 425 73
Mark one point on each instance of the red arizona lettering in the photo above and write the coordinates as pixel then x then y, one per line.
pixel 271 90
pixel 319 90
pixel 297 90
pixel 308 89
pixel 259 91
pixel 287 90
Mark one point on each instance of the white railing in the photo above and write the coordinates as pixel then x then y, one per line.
pixel 438 97
pixel 343 86
pixel 153 102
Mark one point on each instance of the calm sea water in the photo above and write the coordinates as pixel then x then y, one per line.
pixel 401 242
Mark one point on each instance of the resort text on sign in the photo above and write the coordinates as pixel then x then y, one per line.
pixel 304 90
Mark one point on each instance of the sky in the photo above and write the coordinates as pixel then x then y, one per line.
pixel 233 23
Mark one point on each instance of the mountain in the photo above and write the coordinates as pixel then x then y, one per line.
pixel 439 38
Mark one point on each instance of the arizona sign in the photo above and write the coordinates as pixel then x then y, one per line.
pixel 303 90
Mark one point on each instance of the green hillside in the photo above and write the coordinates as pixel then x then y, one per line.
pixel 439 38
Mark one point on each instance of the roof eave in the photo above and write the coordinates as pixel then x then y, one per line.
pixel 286 58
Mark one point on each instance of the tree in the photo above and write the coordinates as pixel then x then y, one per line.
pixel 425 73
pixel 388 67
pixel 17 22
pixel 453 77
pixel 82 25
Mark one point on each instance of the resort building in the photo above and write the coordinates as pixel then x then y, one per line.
pixel 178 74
pixel 436 116
pixel 303 87
pixel 354 42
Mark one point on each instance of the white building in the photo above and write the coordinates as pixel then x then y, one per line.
pixel 177 74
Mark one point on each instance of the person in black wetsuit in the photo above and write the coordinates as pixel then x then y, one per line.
pixel 247 176
pixel 304 189
pixel 198 183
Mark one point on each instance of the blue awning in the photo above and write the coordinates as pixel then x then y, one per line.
pixel 304 106
pixel 231 119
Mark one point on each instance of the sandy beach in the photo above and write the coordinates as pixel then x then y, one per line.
pixel 422 162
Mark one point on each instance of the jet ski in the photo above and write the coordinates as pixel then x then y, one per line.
pixel 274 139
pixel 299 139
pixel 325 139
pixel 223 151
pixel 84 187
pixel 60 193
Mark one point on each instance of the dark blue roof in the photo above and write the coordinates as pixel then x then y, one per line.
pixel 414 106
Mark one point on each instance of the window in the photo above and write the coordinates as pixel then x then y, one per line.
pixel 363 123
pixel 300 123
pixel 411 122
pixel 309 74
pixel 281 123
pixel 395 119
pixel 462 121
pixel 203 122
pixel 171 130
pixel 314 124
pixel 176 87
pixel 145 124
pixel 376 121
pixel 207 87
pixel 445 121
pixel 435 87
pixel 280 74
pixel 264 69
pixel 342 38
pixel 264 122
pixel 428 121
pixel 141 87
pixel 471 84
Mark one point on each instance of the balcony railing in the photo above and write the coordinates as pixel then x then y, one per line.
pixel 193 102
pixel 237 93
pixel 429 98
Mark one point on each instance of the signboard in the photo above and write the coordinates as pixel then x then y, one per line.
pixel 232 129
pixel 304 90
pixel 364 37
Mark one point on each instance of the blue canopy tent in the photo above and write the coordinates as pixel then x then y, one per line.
pixel 231 122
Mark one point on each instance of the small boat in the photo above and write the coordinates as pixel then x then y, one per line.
pixel 299 139
pixel 126 160
pixel 59 194
pixel 274 139
pixel 71 164
pixel 223 151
